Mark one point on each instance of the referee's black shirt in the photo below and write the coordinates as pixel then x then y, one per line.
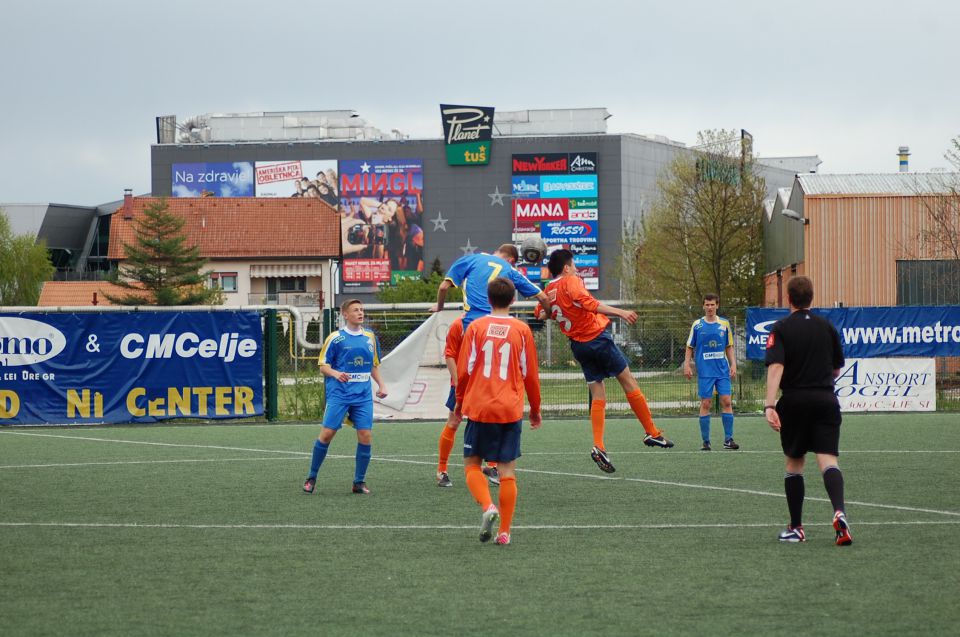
pixel 808 347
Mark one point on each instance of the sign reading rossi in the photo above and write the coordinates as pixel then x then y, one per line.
pixel 120 367
pixel 555 196
pixel 467 133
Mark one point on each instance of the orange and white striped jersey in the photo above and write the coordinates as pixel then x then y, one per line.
pixel 454 338
pixel 574 309
pixel 498 361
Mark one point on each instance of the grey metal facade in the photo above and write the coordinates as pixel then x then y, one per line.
pixel 628 169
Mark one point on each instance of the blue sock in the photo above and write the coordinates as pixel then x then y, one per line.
pixel 705 428
pixel 727 425
pixel 319 453
pixel 363 461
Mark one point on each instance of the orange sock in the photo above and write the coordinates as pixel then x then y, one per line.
pixel 508 502
pixel 598 409
pixel 446 446
pixel 639 406
pixel 477 483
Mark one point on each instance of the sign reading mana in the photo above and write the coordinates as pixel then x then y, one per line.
pixel 540 210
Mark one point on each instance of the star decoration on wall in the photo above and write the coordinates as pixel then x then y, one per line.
pixel 468 249
pixel 439 223
pixel 365 167
pixel 496 197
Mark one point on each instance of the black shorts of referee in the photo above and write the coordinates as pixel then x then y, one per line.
pixel 809 422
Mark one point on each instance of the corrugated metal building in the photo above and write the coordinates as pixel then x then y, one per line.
pixel 860 238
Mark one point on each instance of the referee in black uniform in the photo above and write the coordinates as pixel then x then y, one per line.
pixel 803 358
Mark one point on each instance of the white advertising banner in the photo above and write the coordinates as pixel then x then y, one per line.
pixel 887 384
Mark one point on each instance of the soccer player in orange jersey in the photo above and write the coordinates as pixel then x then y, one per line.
pixel 583 319
pixel 497 363
pixel 449 433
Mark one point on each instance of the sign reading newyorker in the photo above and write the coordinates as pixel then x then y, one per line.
pixel 467 133
pixel 556 197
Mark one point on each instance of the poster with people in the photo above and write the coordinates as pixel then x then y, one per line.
pixel 381 201
pixel 298 178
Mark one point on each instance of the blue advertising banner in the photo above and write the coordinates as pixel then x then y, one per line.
pixel 570 231
pixel 213 180
pixel 568 186
pixel 125 367
pixel 873 332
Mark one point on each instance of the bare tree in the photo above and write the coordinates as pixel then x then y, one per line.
pixel 704 234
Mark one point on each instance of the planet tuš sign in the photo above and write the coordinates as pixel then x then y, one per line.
pixel 467 133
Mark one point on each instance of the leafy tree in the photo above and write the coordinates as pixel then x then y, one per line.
pixel 24 266
pixel 417 290
pixel 160 268
pixel 704 234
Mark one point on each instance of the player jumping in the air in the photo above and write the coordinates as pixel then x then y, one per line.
pixel 583 319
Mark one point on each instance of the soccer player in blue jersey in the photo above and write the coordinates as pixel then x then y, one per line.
pixel 349 359
pixel 472 273
pixel 711 344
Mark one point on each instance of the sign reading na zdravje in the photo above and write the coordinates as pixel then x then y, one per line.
pixel 120 367
pixel 467 134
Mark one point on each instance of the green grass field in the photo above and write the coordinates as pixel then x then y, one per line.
pixel 203 529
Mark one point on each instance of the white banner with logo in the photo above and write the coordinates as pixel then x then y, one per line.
pixel 887 384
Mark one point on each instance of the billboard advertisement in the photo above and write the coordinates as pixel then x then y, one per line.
pixel 382 204
pixel 467 134
pixel 555 196
pixel 122 367
pixel 873 332
pixel 233 179
pixel 887 384
pixel 298 178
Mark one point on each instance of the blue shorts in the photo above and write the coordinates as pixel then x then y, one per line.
pixel 361 414
pixel 705 385
pixel 492 441
pixel 599 358
pixel 452 398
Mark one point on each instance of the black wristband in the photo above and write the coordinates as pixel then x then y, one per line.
pixel 766 407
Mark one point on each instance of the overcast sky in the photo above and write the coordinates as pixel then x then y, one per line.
pixel 849 81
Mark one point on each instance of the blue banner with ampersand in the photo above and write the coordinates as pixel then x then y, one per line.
pixel 119 367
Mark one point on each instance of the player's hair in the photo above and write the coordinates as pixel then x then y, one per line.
pixel 346 304
pixel 558 259
pixel 501 291
pixel 509 250
pixel 800 292
pixel 710 296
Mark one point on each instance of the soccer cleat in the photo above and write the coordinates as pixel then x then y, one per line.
pixel 360 487
pixel 792 534
pixel 502 539
pixel 706 446
pixel 490 517
pixel 600 457
pixel 493 476
pixel 657 441
pixel 309 485
pixel 842 528
pixel 730 444
pixel 443 480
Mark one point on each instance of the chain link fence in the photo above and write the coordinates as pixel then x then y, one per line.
pixel 655 346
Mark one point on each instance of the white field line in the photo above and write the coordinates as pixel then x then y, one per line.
pixel 439 527
pixel 688 485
